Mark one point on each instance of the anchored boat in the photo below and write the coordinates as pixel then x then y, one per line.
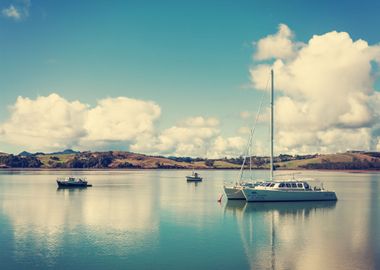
pixel 72 182
pixel 234 191
pixel 288 190
pixel 194 177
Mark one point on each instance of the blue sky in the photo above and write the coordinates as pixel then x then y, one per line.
pixel 192 58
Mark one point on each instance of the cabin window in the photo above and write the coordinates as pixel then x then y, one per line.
pixel 299 185
pixel 294 185
pixel 306 185
pixel 282 185
pixel 288 185
pixel 272 185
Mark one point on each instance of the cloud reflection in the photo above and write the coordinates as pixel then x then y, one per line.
pixel 119 218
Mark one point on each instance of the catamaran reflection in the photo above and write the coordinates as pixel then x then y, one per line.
pixel 272 232
pixel 280 207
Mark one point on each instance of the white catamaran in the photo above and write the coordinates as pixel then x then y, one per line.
pixel 234 190
pixel 288 190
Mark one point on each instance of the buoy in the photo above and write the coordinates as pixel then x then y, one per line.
pixel 220 198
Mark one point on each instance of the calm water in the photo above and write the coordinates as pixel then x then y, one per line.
pixel 156 220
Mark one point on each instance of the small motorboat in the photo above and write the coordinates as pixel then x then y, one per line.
pixel 194 177
pixel 72 182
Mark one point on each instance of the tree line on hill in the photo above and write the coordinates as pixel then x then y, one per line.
pixel 12 161
pixel 355 164
pixel 118 159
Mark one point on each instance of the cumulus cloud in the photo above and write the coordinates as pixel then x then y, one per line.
pixel 18 12
pixel 227 147
pixel 200 121
pixel 327 101
pixel 195 136
pixel 53 123
pixel 279 45
pixel 120 119
pixel 50 123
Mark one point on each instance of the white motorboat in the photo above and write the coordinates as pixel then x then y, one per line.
pixel 288 190
pixel 194 177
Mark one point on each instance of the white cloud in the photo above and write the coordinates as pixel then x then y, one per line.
pixel 228 147
pixel 195 136
pixel 121 119
pixel 200 121
pixel 11 12
pixel 49 122
pixel 52 123
pixel 327 100
pixel 279 45
pixel 18 12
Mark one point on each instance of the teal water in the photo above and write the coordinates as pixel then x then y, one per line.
pixel 156 220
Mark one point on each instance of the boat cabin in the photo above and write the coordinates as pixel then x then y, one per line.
pixel 286 185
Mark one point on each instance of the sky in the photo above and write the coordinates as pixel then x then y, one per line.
pixel 186 77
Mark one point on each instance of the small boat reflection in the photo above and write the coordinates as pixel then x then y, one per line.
pixel 71 189
pixel 194 183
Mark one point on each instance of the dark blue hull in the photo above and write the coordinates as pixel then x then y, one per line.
pixel 72 185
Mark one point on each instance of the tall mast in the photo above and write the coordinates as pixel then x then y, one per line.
pixel 271 124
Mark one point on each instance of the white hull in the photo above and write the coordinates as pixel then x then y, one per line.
pixel 234 193
pixel 273 195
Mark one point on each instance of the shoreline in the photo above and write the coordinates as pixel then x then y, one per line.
pixel 183 169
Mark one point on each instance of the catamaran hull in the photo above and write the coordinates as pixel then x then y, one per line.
pixel 257 195
pixel 234 193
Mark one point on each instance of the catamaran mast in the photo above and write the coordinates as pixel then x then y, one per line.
pixel 271 125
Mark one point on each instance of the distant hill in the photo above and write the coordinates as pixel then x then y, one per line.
pixel 340 161
pixel 65 152
pixel 25 154
pixel 358 160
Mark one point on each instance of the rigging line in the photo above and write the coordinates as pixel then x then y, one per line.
pixel 252 131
